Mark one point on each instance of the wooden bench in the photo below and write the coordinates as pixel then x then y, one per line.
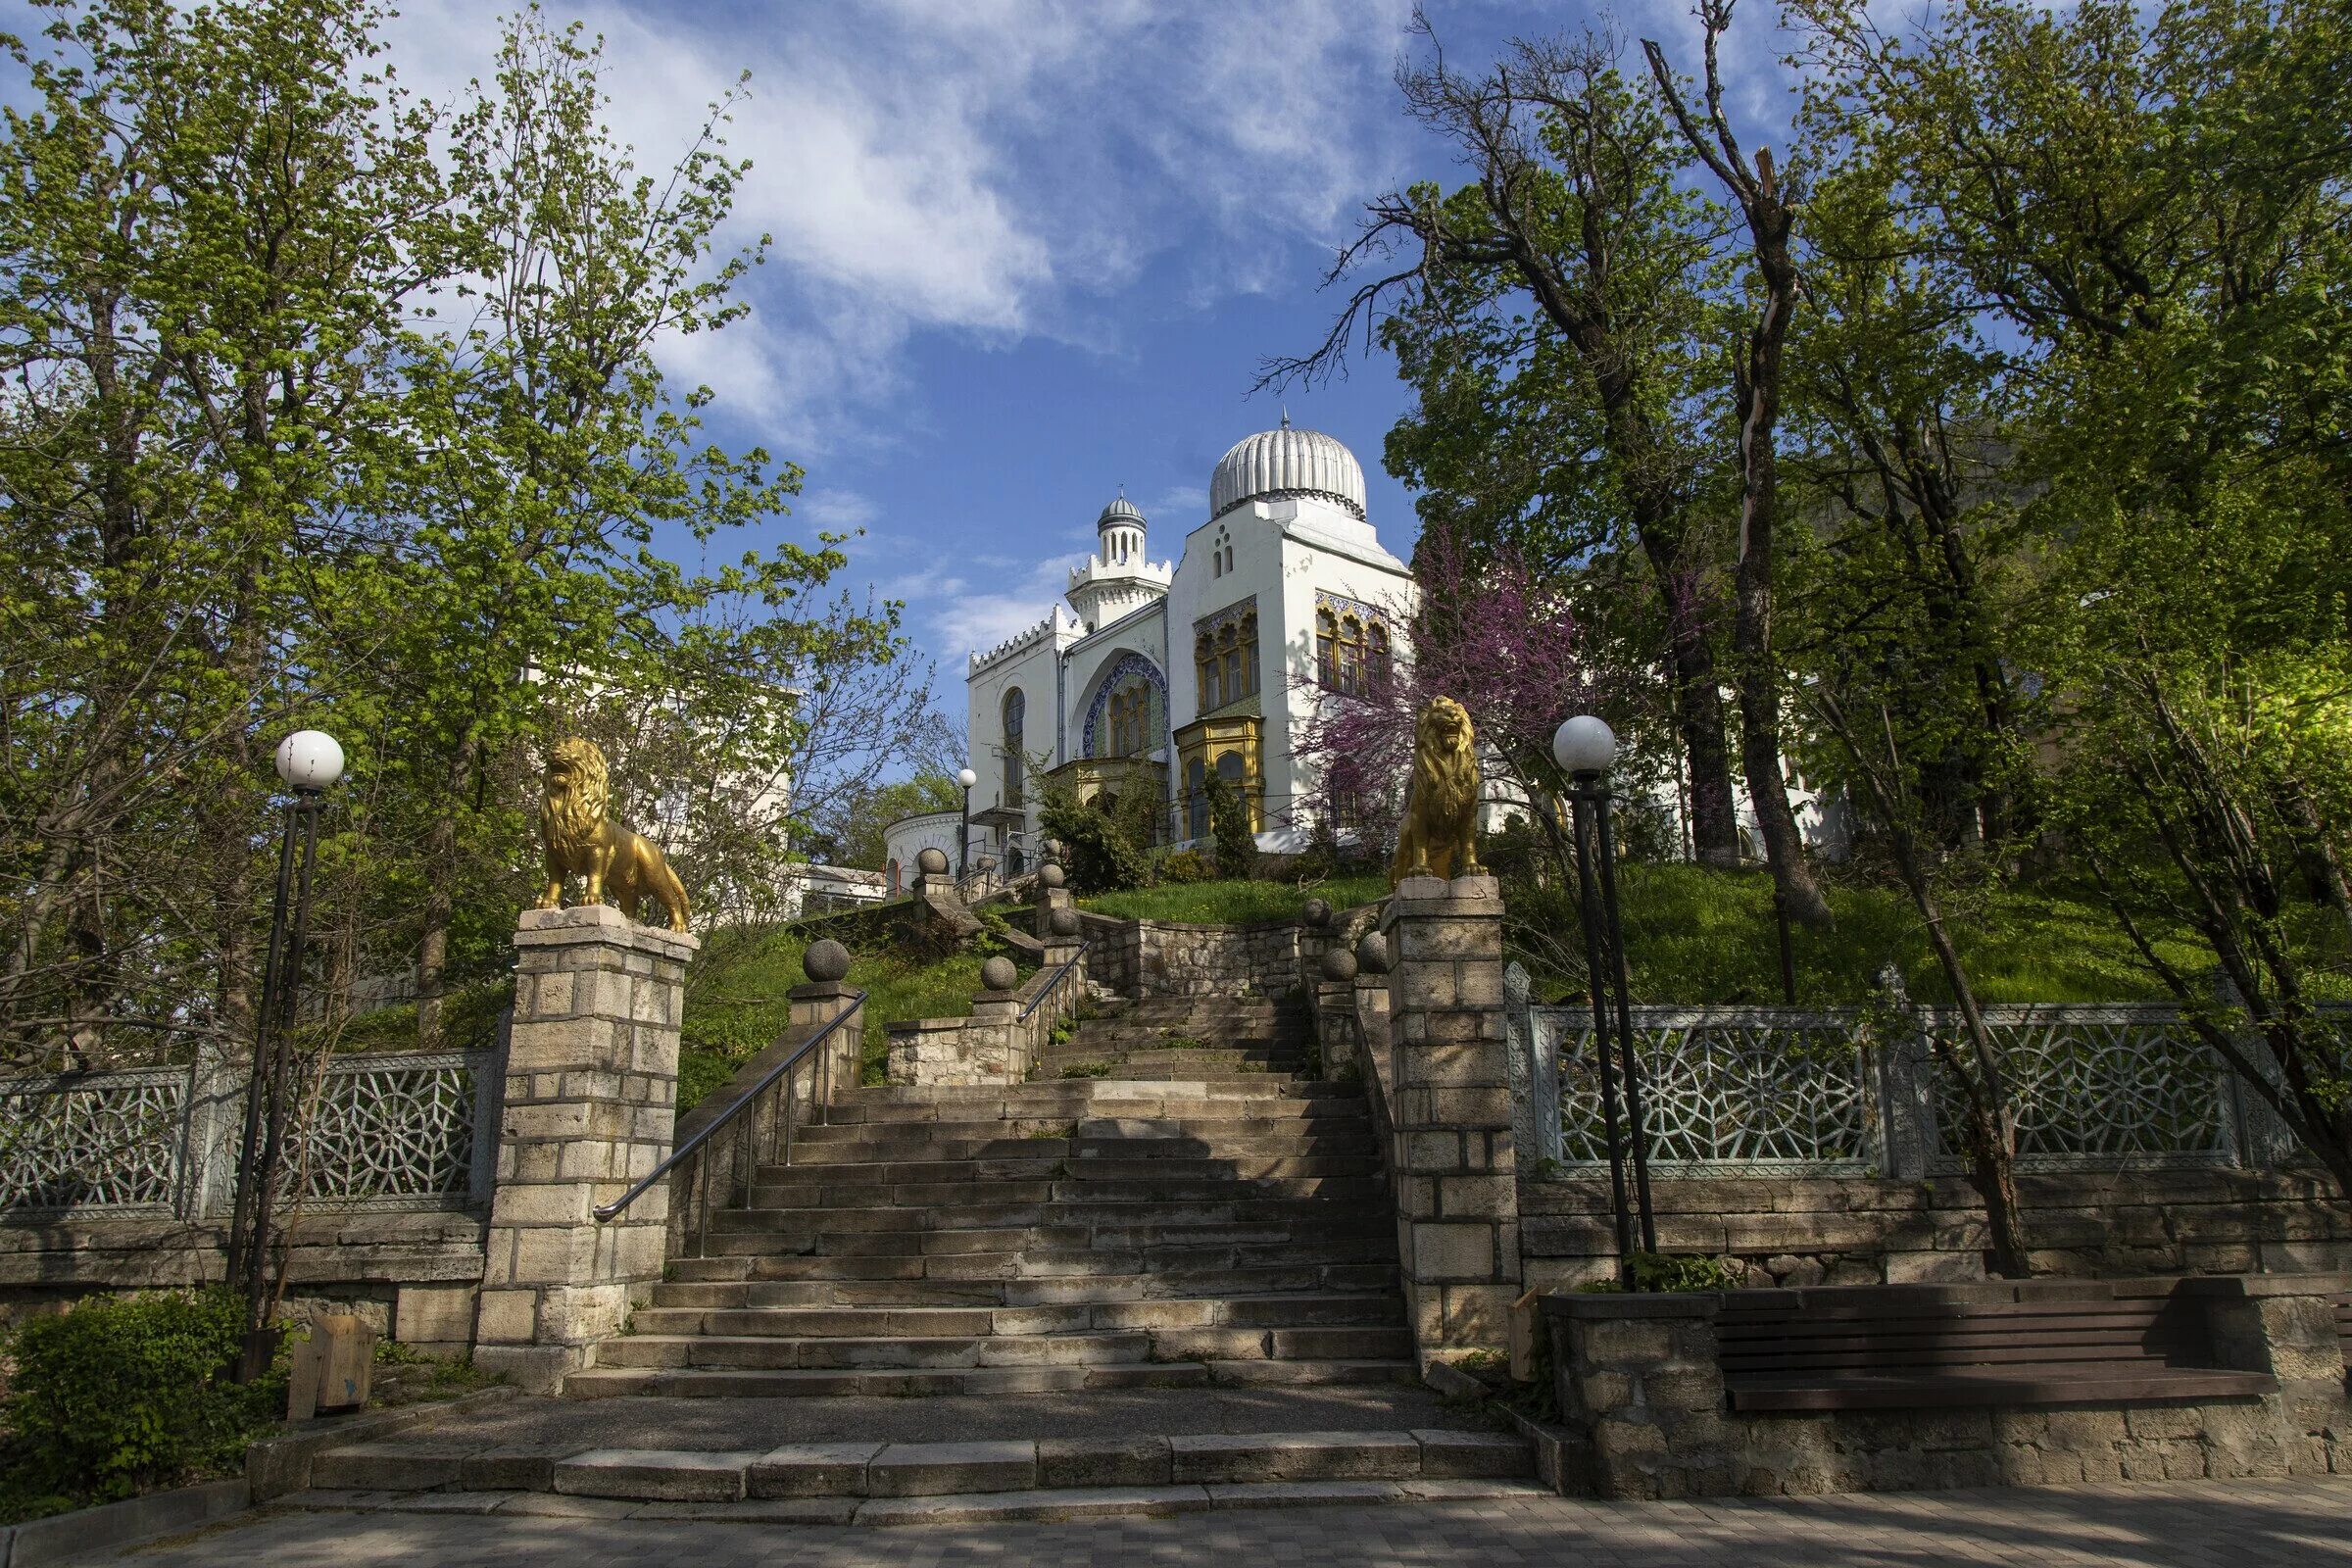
pixel 1871 1347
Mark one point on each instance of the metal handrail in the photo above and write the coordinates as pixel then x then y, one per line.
pixel 1054 982
pixel 726 1118
pixel 1052 985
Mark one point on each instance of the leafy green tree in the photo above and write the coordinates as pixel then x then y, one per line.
pixel 1229 825
pixel 856 837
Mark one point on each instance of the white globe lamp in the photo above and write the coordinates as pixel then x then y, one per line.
pixel 310 759
pixel 1584 746
pixel 968 778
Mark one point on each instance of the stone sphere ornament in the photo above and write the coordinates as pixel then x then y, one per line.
pixel 825 961
pixel 1339 965
pixel 1316 913
pixel 1372 953
pixel 932 862
pixel 999 974
pixel 1050 875
pixel 1064 922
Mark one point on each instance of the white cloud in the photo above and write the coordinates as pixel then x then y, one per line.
pixel 974 623
pixel 996 168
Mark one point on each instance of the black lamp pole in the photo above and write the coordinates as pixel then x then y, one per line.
pixel 270 1093
pixel 1595 967
pixel 1622 979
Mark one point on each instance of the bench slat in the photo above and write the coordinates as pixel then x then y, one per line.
pixel 1925 1328
pixel 2142 1307
pixel 1961 1388
pixel 1985 1354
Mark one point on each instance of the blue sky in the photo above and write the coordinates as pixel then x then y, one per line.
pixel 1028 251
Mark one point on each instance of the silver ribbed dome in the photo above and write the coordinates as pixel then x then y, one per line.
pixel 1287 462
pixel 1120 511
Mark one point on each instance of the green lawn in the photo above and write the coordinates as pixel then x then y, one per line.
pixel 1694 935
pixel 738 1000
pixel 1234 903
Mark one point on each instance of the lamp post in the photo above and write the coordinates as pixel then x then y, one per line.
pixel 1586 748
pixel 964 841
pixel 308 761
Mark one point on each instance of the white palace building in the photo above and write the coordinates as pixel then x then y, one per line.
pixel 1156 673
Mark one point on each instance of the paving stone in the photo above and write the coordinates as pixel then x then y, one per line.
pixel 451 1502
pixel 754 1512
pixel 1044 1504
pixel 1255 1457
pixel 554 1505
pixel 933 1469
pixel 810 1470
pixel 655 1475
pixel 1299 1494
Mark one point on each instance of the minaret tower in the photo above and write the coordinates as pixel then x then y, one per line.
pixel 1120 579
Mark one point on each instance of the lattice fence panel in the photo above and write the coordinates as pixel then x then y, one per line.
pixel 1746 1088
pixel 390 1127
pixel 2099 1086
pixel 100 1141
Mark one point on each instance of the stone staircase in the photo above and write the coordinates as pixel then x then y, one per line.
pixel 1166 1203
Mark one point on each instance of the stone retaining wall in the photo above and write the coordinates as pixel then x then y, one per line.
pixel 413 1276
pixel 1172 959
pixel 1643 1398
pixel 1798 1231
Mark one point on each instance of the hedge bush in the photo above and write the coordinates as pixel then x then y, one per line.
pixel 124 1394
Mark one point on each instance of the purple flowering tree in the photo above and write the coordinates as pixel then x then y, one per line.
pixel 1492 635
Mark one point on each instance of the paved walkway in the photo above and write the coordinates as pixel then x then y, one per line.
pixel 2179 1525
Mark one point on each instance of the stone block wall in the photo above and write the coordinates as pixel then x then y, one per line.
pixel 1172 959
pixel 995 1043
pixel 1801 1231
pixel 1642 1397
pixel 1446 1088
pixel 591 1100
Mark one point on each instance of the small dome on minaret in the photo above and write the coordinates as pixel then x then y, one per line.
pixel 1120 529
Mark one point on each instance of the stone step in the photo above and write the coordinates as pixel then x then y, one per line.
pixel 1315 1119
pixel 1062 1204
pixel 1291 1310
pixel 594 1383
pixel 1079 1097
pixel 1334 1138
pixel 946 1176
pixel 1080 1187
pixel 762 1351
pixel 1171 1286
pixel 1019 1097
pixel 756 1258
pixel 868 1469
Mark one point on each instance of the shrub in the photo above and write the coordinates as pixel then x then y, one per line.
pixel 126 1393
pixel 1184 868
pixel 1101 857
pixel 1229 822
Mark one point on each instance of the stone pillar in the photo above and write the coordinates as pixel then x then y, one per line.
pixel 1639 1380
pixel 1457 1198
pixel 591 1100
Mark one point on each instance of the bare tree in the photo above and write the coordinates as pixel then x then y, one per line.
pixel 1766 199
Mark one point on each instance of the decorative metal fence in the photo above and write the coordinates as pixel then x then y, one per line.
pixel 403 1130
pixel 1732 1090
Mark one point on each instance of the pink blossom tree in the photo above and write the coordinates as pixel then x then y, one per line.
pixel 1496 637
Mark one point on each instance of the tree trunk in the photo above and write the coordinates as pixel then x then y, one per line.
pixel 1697 705
pixel 440 908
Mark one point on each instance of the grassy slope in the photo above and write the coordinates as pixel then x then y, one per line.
pixel 738 1000
pixel 1700 936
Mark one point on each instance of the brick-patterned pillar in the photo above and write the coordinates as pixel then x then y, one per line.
pixel 1457 1198
pixel 591 1102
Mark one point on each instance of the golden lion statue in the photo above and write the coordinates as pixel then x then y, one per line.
pixel 1439 835
pixel 622 868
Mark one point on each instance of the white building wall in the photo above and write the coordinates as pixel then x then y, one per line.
pixel 908 837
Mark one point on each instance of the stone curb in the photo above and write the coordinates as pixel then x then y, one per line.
pixel 277 1466
pixel 63 1536
pixel 1030 1505
pixel 913 1471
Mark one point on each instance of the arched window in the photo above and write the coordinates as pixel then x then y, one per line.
pixel 1351 651
pixel 894 878
pixel 1226 657
pixel 1017 708
pixel 1195 793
